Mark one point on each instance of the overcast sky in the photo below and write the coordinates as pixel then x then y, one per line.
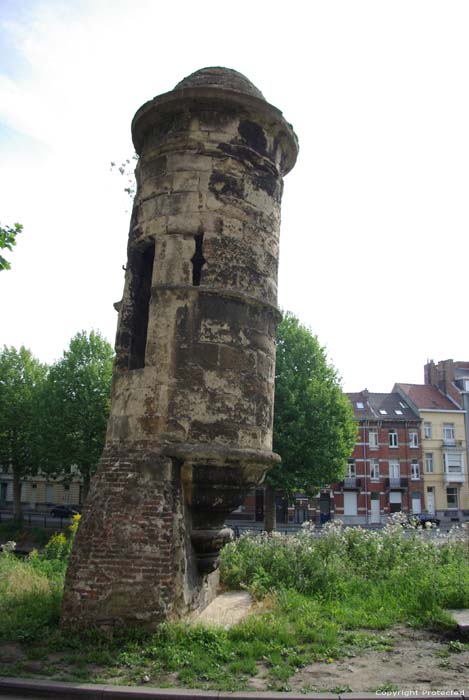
pixel 375 216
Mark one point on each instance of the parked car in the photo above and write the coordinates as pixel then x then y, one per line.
pixel 424 518
pixel 63 512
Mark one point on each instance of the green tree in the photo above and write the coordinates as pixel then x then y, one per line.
pixel 7 241
pixel 21 380
pixel 76 406
pixel 314 429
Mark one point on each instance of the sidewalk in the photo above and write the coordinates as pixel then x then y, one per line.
pixel 13 688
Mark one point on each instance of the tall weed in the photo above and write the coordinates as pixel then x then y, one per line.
pixel 416 577
pixel 31 589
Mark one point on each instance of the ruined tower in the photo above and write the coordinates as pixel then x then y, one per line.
pixel 190 429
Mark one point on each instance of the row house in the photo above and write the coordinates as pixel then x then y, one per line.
pixel 452 379
pixel 39 492
pixel 444 447
pixel 384 473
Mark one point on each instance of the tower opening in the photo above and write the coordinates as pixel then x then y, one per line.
pixel 142 267
pixel 198 260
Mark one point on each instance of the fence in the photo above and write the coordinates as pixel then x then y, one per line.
pixel 44 520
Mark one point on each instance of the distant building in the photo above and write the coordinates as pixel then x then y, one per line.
pixel 384 473
pixel 444 450
pixel 40 492
pixel 452 379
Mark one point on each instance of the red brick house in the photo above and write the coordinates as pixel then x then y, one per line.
pixel 385 470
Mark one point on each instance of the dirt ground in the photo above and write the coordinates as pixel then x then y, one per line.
pixel 418 661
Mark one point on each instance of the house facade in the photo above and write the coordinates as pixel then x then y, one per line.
pixel 444 449
pixel 40 492
pixel 451 377
pixel 384 473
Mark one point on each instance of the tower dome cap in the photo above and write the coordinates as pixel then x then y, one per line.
pixel 218 77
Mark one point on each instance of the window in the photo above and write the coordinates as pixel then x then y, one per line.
pixel 398 412
pixel 383 412
pixel 453 462
pixel 394 469
pixel 448 433
pixel 393 442
pixel 415 469
pixel 373 439
pixel 427 430
pixel 360 405
pixel 374 469
pixel 413 438
pixel 429 462
pixel 351 469
pixel 401 403
pixel 452 497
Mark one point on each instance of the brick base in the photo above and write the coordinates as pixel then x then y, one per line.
pixel 132 561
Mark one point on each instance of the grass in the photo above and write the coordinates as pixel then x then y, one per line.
pixel 321 599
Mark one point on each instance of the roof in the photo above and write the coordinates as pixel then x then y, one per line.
pixel 374 406
pixel 426 396
pixel 225 78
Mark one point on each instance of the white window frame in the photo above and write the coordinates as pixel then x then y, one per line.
pixel 373 438
pixel 427 430
pixel 351 472
pixel 393 438
pixel 413 438
pixel 454 463
pixel 448 433
pixel 429 464
pixel 415 470
pixel 374 469
pixel 394 466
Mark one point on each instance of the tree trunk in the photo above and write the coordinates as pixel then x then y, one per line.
pixel 18 513
pixel 270 520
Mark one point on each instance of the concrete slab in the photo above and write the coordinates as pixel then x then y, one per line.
pixel 462 619
pixel 226 610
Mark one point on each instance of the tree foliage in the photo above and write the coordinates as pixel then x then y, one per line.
pixel 22 379
pixel 7 241
pixel 76 406
pixel 314 429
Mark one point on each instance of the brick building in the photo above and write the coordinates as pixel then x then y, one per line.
pixel 385 470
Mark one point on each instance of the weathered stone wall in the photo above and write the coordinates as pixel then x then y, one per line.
pixel 190 429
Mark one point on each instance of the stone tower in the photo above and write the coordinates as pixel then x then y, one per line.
pixel 190 429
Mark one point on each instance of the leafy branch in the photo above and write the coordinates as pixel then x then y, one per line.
pixel 7 241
